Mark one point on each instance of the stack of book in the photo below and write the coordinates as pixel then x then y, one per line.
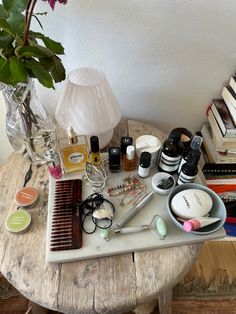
pixel 219 134
pixel 219 151
pixel 221 178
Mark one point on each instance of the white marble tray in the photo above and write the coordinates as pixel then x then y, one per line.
pixel 94 246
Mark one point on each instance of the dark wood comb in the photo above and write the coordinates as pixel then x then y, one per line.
pixel 66 231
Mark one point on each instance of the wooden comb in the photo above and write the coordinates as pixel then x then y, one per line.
pixel 66 229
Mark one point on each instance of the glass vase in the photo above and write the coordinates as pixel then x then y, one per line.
pixel 28 125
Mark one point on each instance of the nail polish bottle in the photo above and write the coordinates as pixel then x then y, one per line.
pixel 54 164
pixel 114 159
pixel 94 148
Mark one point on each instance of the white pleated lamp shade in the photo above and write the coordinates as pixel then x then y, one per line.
pixel 88 105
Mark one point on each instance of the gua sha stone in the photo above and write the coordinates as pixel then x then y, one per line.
pixel 191 203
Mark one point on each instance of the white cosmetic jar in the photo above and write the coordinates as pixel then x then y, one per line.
pixel 150 144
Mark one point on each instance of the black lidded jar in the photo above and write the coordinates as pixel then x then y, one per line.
pixel 171 153
pixel 144 164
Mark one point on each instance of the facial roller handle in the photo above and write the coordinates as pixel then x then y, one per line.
pixel 133 211
pixel 132 229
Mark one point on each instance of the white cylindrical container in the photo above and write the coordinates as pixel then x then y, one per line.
pixel 163 182
pixel 150 144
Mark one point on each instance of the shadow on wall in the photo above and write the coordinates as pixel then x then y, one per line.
pixel 6 148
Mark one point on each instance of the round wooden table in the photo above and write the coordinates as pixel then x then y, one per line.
pixel 101 285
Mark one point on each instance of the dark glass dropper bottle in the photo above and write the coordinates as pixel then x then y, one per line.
pixel 171 153
pixel 189 170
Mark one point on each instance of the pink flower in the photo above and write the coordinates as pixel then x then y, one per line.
pixel 53 2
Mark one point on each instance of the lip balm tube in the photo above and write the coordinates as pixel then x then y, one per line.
pixel 199 222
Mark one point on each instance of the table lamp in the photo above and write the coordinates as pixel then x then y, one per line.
pixel 88 105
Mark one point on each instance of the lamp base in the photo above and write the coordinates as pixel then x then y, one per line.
pixel 104 138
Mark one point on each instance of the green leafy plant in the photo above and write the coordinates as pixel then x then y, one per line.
pixel 23 52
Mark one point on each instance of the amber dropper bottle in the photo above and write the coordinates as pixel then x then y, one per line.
pixel 95 153
pixel 129 160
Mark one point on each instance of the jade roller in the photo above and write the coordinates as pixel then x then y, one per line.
pixel 157 226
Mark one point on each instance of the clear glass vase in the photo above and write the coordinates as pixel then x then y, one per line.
pixel 29 127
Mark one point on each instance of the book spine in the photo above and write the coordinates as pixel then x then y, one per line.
pixel 229 94
pixel 226 168
pixel 226 181
pixel 232 83
pixel 219 120
pixel 230 229
pixel 231 108
pixel 231 220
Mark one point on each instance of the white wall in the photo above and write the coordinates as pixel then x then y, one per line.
pixel 164 59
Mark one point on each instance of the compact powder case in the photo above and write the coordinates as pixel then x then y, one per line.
pixel 26 197
pixel 19 221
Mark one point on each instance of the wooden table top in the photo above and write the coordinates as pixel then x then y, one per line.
pixel 101 285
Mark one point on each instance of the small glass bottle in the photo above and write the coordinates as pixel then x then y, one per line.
pixel 189 169
pixel 114 159
pixel 195 144
pixel 124 143
pixel 54 164
pixel 94 148
pixel 129 160
pixel 74 151
pixel 171 153
pixel 144 164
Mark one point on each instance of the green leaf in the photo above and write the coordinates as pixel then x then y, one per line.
pixel 18 70
pixel 51 44
pixel 36 51
pixel 39 72
pixel 5 73
pixel 55 67
pixel 3 12
pixel 16 22
pixel 5 40
pixel 58 71
pixel 15 5
pixel 6 27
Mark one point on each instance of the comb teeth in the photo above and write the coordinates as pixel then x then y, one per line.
pixel 66 230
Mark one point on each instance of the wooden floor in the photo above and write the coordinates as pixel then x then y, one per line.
pixel 209 288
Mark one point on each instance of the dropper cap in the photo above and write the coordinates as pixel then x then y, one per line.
pixel 175 135
pixel 94 144
pixel 72 136
pixel 196 142
pixel 130 152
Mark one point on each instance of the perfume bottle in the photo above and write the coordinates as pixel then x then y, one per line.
pixel 54 163
pixel 94 148
pixel 114 159
pixel 74 151
pixel 129 160
pixel 124 143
